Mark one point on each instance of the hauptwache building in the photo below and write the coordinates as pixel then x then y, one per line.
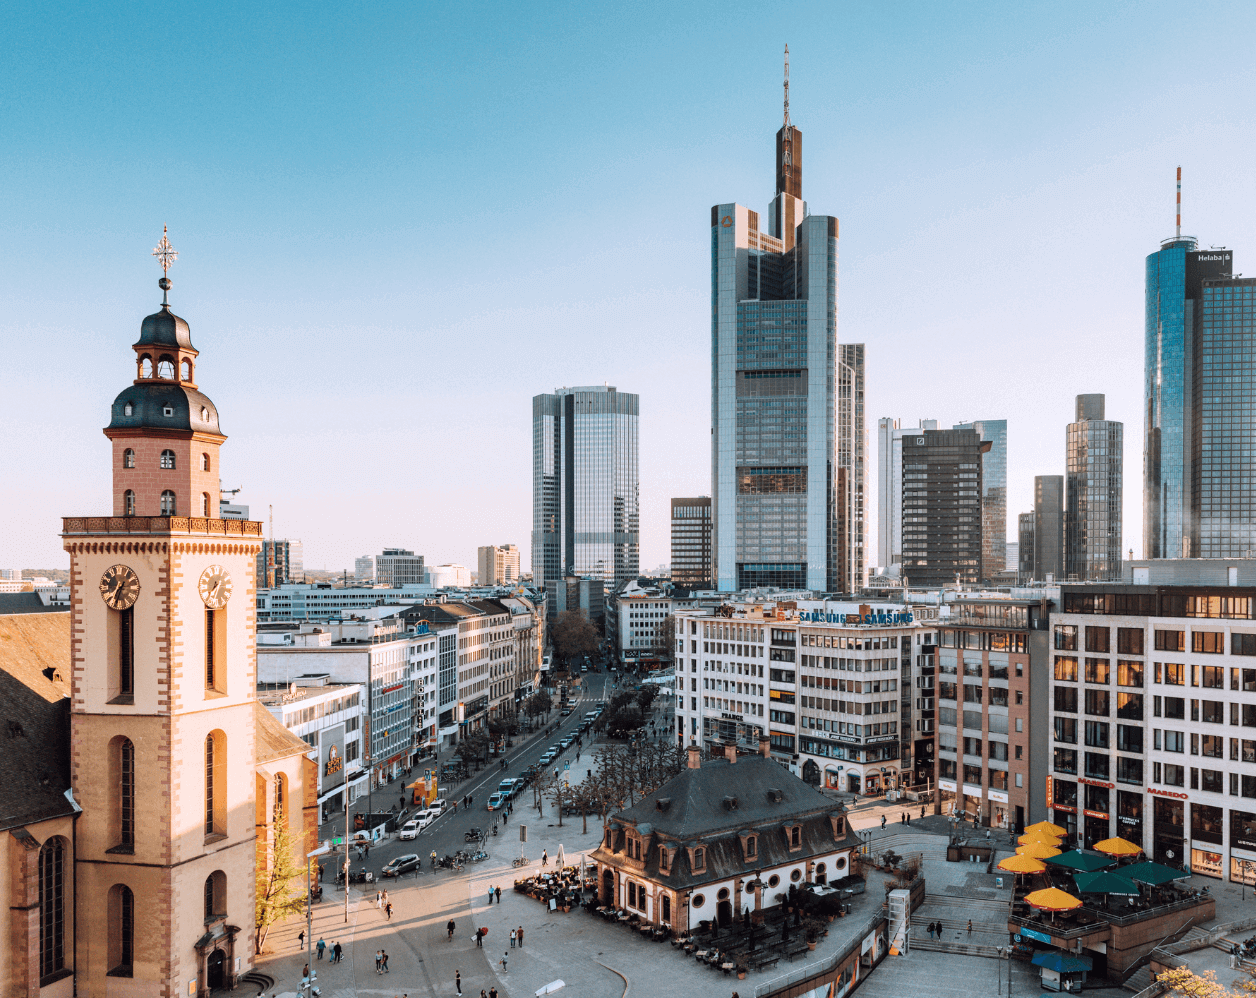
pixel 142 783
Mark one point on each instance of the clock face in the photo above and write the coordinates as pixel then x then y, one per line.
pixel 119 587
pixel 215 587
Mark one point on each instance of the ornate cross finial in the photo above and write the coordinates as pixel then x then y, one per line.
pixel 166 255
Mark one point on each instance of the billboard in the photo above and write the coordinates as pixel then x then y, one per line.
pixel 331 758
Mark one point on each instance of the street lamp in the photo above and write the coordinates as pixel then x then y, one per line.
pixel 322 850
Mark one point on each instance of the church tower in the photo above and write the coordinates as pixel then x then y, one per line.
pixel 163 691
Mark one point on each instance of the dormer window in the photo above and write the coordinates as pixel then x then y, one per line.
pixel 795 837
pixel 750 847
pixel 128 409
pixel 664 860
pixel 699 860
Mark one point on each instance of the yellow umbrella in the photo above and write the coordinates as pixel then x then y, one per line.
pixel 1038 850
pixel 1117 847
pixel 1052 899
pixel 1031 837
pixel 1045 826
pixel 1022 864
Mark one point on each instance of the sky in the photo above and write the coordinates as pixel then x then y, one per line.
pixel 396 223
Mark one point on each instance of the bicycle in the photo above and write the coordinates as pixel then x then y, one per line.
pixel 521 861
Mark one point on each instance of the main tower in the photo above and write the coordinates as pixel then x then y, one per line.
pixel 162 701
pixel 787 457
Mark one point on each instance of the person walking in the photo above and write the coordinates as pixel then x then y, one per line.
pixel 388 910
pixel 922 811
pixel 379 959
pixel 483 993
pixel 301 939
pixel 502 961
pixel 545 857
pixel 490 893
pixel 379 900
pixel 883 821
pixel 492 992
pixel 458 980
pixel 449 928
pixel 512 938
pixel 519 936
pixel 498 891
pixel 385 895
pixel 336 952
pixel 433 858
pixel 970 926
pixel 305 973
pixel 384 953
pixel 320 946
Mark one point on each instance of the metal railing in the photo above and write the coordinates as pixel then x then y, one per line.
pixel 822 967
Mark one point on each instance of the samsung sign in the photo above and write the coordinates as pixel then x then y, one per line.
pixel 879 617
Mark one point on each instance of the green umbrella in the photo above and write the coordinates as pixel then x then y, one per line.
pixel 1076 859
pixel 1104 882
pixel 1152 873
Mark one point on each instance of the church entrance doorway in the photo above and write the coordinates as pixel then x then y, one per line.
pixel 215 970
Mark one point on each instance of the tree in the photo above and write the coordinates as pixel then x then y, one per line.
pixel 538 703
pixel 1181 982
pixel 475 746
pixel 573 634
pixel 666 646
pixel 277 896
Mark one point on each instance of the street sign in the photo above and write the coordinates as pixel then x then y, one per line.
pixel 523 833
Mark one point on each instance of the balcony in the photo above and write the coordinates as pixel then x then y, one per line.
pixel 80 525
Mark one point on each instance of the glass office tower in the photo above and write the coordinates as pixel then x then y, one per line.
pixel 1094 456
pixel 1223 484
pixel 1174 286
pixel 788 497
pixel 1048 528
pixel 942 522
pixel 584 485
pixel 993 495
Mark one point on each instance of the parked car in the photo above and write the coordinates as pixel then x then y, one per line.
pixel 409 830
pixel 401 864
pixel 550 755
pixel 567 742
pixel 566 711
pixel 438 805
pixel 497 800
pixel 510 786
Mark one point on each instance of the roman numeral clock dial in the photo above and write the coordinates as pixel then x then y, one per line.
pixel 119 587
pixel 214 587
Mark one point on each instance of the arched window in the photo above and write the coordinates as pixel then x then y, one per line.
pixel 128 503
pixel 123 778
pixel 128 457
pixel 204 504
pixel 52 907
pixel 121 922
pixel 146 366
pixel 127 409
pixel 204 458
pixel 167 503
pixel 165 368
pixel 187 369
pixel 795 836
pixel 215 783
pixel 281 796
pixel 215 895
pixel 167 460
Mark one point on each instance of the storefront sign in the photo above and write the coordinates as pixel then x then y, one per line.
pixel 1095 783
pixel 946 785
pixel 1065 808
pixel 731 717
pixel 1094 814
pixel 1050 792
pixel 997 797
pixel 1042 937
pixel 878 617
pixel 971 791
pixel 332 751
pixel 1167 793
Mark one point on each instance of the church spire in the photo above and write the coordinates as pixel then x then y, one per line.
pixel 167 254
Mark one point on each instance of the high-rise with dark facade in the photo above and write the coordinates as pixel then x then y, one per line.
pixel 1174 368
pixel 942 524
pixel 1223 466
pixel 1049 528
pixel 691 543
pixel 1025 553
pixel 787 491
pixel 1095 455
pixel 584 485
pixel 993 495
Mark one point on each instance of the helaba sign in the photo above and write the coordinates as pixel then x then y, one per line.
pixel 871 617
pixel 1214 257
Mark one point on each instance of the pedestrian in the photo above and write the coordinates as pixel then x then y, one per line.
pixel 385 895
pixel 909 817
pixel 455 812
pixel 502 961
pixel 512 938
pixel 922 810
pixel 492 993
pixel 479 938
pixel 301 939
pixel 498 891
pixel 320 947
pixel 882 821
pixel 385 955
pixel 490 893
pixel 519 936
pixel 305 973
pixel 545 857
pixel 449 928
pixel 379 959
pixel 433 857
pixel 483 993
pixel 335 953
pixel 379 900
pixel 388 910
pixel 458 980
pixel 970 926
pixel 368 850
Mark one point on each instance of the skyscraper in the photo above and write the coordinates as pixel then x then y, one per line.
pixel 942 523
pixel 584 485
pixel 1025 547
pixel 1223 481
pixel 1092 519
pixel 993 494
pixel 890 434
pixel 498 565
pixel 1172 379
pixel 787 500
pixel 691 542
pixel 1048 528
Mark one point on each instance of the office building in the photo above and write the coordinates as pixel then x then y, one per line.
pixel 942 525
pixel 1223 479
pixel 1048 528
pixel 280 563
pixel 1095 455
pixel 692 558
pixel 785 509
pixel 364 569
pixel 992 688
pixel 584 485
pixel 233 511
pixel 636 626
pixel 574 593
pixel 1025 549
pixel 397 567
pixel 1173 393
pixel 993 494
pixel 498 565
pixel 890 434
pixel 448 576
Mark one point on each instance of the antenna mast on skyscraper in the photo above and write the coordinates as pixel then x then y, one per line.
pixel 1179 191
pixel 787 89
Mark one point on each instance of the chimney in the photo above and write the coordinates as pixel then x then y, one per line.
pixel 695 757
pixel 730 753
pixel 765 746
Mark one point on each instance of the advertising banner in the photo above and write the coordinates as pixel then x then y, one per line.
pixel 331 756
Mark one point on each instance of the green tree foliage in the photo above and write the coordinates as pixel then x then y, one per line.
pixel 278 893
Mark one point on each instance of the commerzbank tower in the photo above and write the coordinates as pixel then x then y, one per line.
pixel 787 400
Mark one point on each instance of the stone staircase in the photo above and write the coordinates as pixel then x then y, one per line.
pixel 1141 979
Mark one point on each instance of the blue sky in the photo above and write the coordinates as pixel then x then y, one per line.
pixel 397 223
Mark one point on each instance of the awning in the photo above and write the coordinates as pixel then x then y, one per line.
pixel 1061 962
pixel 1105 882
pixel 1076 859
pixel 1151 873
